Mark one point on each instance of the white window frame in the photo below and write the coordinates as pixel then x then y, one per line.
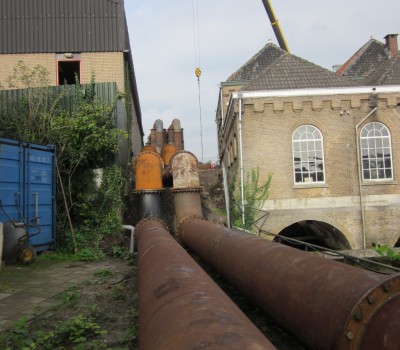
pixel 371 141
pixel 307 139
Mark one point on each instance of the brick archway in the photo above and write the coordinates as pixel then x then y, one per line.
pixel 314 232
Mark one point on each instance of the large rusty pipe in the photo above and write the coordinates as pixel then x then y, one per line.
pixel 180 307
pixel 323 303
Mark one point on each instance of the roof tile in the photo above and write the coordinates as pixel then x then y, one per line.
pixel 292 72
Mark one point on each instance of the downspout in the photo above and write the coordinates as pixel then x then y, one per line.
pixel 221 105
pixel 241 158
pixel 363 233
pixel 226 192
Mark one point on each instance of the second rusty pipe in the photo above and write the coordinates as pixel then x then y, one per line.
pixel 180 307
pixel 323 303
pixel 186 189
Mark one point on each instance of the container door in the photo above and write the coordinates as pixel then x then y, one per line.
pixel 39 196
pixel 11 181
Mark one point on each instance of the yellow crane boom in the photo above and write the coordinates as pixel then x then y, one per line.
pixel 275 25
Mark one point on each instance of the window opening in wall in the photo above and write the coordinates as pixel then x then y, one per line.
pixel 68 72
pixel 308 155
pixel 235 153
pixel 376 152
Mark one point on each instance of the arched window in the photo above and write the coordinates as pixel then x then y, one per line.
pixel 376 152
pixel 308 155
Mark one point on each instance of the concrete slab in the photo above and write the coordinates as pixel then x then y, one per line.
pixel 29 290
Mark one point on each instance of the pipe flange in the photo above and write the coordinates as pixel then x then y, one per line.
pixel 364 310
pixel 153 191
pixel 188 189
pixel 181 221
pixel 151 218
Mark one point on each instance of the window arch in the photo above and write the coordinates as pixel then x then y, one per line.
pixel 308 155
pixel 376 152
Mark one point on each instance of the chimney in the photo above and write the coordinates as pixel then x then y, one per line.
pixel 391 45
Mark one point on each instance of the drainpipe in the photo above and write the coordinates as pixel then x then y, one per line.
pixel 360 178
pixel 132 241
pixel 226 192
pixel 241 158
pixel 222 105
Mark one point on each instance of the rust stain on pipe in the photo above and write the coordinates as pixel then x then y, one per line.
pixel 180 307
pixel 323 303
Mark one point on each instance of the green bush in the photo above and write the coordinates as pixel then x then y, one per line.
pixel 255 195
pixel 386 251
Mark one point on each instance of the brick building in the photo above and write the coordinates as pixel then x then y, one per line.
pixel 332 148
pixel 73 38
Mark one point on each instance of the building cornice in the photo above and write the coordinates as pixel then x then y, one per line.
pixel 316 92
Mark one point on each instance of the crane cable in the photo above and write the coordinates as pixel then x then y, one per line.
pixel 196 43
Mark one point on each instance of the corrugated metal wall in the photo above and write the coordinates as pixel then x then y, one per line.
pixel 39 26
pixel 107 92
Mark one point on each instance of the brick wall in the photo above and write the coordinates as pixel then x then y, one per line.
pixel 30 60
pixel 107 66
pixel 268 126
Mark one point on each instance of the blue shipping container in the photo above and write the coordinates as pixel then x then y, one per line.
pixel 27 189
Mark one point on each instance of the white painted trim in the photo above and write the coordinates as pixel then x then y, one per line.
pixel 316 92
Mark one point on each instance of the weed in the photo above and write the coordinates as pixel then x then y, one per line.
pixel 120 252
pixel 103 275
pixel 244 210
pixel 384 250
pixel 119 292
pixel 36 309
pixel 79 331
pixel 94 309
pixel 3 287
pixel 70 297
pixel 131 331
pixel 90 254
pixel 17 337
pixel 57 256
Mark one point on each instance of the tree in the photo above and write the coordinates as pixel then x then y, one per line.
pixel 82 130
pixel 255 195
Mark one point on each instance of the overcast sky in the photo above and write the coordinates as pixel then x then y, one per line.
pixel 164 46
